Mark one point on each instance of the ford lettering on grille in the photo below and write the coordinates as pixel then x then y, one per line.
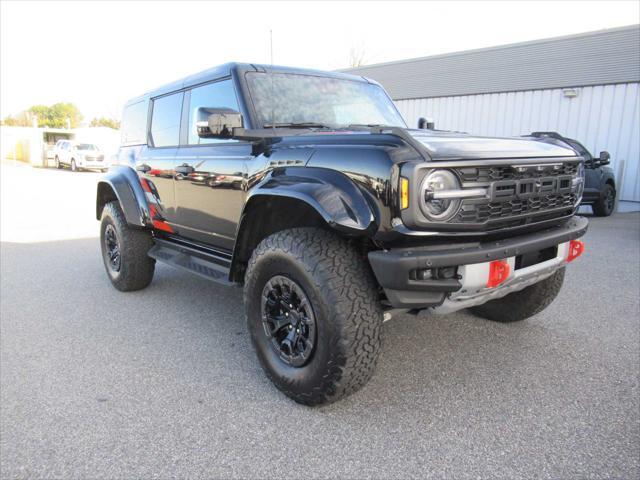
pixel 506 190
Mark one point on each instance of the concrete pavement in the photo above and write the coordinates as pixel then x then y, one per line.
pixel 162 383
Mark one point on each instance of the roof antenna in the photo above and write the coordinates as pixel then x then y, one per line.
pixel 273 108
pixel 271 45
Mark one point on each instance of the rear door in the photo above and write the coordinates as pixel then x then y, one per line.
pixel 210 173
pixel 155 165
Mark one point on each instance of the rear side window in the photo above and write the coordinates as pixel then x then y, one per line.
pixel 134 124
pixel 165 120
pixel 214 95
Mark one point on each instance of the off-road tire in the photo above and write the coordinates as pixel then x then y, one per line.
pixel 136 267
pixel 521 305
pixel 606 203
pixel 340 287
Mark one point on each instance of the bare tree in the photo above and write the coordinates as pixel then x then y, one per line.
pixel 357 56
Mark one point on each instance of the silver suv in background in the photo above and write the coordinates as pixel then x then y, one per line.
pixel 79 156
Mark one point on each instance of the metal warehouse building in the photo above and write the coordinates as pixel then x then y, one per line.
pixel 583 86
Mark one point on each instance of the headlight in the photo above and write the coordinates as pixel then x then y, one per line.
pixel 435 202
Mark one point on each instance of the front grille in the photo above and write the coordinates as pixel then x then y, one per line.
pixel 482 212
pixel 518 194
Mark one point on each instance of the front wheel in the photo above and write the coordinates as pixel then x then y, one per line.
pixel 521 305
pixel 74 167
pixel 606 203
pixel 124 251
pixel 58 164
pixel 313 314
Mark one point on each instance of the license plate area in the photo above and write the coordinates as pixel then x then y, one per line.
pixel 533 258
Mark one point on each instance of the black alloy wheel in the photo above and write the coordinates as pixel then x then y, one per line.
pixel 288 320
pixel 609 199
pixel 112 248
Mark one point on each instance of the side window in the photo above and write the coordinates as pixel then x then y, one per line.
pixel 213 95
pixel 165 120
pixel 134 124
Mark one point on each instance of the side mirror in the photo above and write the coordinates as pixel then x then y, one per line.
pixel 217 122
pixel 425 124
pixel 604 158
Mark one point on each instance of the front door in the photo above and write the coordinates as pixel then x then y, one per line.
pixel 210 173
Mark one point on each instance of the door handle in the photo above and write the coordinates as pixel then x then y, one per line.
pixel 143 167
pixel 185 169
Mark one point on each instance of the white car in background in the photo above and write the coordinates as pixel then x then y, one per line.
pixel 79 156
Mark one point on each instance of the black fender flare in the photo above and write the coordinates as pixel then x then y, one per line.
pixel 124 183
pixel 332 194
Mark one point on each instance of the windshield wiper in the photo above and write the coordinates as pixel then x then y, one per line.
pixel 369 125
pixel 297 125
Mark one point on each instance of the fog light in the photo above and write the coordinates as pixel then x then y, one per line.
pixel 423 274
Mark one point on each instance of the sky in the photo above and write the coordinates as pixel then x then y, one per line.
pixel 99 54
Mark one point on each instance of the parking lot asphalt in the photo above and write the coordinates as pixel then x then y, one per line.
pixel 163 382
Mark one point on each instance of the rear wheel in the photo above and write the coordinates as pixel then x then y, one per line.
pixel 521 305
pixel 313 314
pixel 606 203
pixel 124 251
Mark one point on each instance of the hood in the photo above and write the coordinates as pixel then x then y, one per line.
pixel 455 146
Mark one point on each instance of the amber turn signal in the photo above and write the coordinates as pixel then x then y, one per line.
pixel 404 193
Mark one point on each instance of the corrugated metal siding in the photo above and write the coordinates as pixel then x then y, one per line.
pixel 605 117
pixel 594 58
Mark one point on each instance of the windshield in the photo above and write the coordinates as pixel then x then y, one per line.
pixel 285 99
pixel 86 146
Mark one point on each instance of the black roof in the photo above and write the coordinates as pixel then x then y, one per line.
pixel 226 69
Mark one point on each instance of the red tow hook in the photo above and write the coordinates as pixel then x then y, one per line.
pixel 576 248
pixel 498 273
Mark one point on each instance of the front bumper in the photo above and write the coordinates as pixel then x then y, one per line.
pixel 393 268
pixel 97 164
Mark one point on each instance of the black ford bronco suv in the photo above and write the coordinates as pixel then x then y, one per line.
pixel 308 189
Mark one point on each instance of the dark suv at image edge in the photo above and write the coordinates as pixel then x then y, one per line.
pixel 308 189
pixel 600 182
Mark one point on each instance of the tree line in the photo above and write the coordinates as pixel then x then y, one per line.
pixel 58 115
